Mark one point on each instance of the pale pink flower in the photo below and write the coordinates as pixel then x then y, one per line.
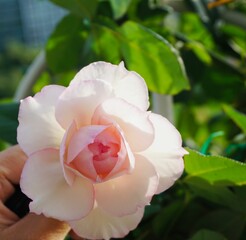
pixel 96 156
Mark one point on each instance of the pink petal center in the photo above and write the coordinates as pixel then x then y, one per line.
pixel 104 152
pixel 104 158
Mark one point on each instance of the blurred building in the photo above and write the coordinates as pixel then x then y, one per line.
pixel 28 21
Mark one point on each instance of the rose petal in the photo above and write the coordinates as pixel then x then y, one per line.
pixel 119 159
pixel 68 174
pixel 42 180
pixel 100 225
pixel 166 152
pixel 79 101
pixel 126 84
pixel 169 169
pixel 83 165
pixel 124 195
pixel 38 128
pixel 126 159
pixel 78 153
pixel 135 124
pixel 83 137
pixel 167 137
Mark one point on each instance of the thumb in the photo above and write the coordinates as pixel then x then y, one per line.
pixel 36 227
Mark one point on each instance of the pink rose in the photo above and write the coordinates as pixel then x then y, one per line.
pixel 96 156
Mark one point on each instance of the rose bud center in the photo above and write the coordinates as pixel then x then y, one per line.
pixel 103 157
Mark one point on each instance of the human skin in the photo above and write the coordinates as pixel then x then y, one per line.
pixel 32 226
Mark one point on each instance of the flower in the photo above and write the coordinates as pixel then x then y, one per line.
pixel 96 156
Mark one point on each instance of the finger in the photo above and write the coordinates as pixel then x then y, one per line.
pixel 12 161
pixel 74 236
pixel 7 217
pixel 6 188
pixel 36 227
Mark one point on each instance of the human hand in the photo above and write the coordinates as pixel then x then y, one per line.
pixel 31 227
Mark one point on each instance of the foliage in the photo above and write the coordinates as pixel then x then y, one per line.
pixel 14 59
pixel 8 122
pixel 216 170
pixel 167 48
pixel 237 117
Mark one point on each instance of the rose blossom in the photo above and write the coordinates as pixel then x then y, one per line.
pixel 96 156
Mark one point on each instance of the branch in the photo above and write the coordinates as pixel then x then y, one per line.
pixel 33 72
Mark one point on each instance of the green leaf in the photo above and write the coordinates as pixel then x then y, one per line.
pixel 229 223
pixel 105 44
pixel 205 234
pixel 236 37
pixel 237 117
pixel 200 51
pixel 167 217
pixel 217 194
pixel 9 122
pixel 216 170
pixel 193 28
pixel 82 8
pixel 233 30
pixel 64 47
pixel 193 211
pixel 241 192
pixel 42 81
pixel 119 7
pixel 153 58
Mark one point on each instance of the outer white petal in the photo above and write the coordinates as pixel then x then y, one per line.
pixel 79 101
pixel 135 124
pixel 124 195
pixel 38 128
pixel 42 180
pixel 166 152
pixel 126 84
pixel 169 169
pixel 167 138
pixel 100 225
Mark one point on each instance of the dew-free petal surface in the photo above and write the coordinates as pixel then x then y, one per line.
pixel 79 101
pixel 127 85
pixel 38 128
pixel 166 152
pixel 125 194
pixel 135 124
pixel 98 224
pixel 43 181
